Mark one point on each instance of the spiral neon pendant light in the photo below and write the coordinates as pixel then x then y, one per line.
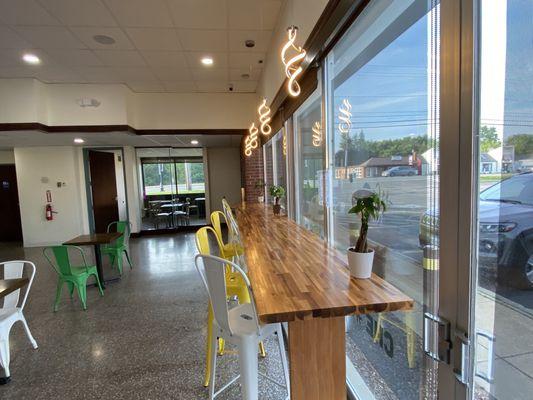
pixel 292 65
pixel 264 118
pixel 317 134
pixel 251 142
pixel 344 116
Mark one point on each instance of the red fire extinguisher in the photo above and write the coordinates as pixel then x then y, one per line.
pixel 49 212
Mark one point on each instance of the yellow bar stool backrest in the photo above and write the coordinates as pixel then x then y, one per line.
pixel 216 220
pixel 202 241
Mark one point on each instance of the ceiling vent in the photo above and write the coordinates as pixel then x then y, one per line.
pixel 86 102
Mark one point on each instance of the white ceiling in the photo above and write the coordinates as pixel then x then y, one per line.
pixel 9 140
pixel 159 43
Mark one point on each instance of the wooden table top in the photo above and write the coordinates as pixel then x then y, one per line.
pixel 10 285
pixel 296 275
pixel 94 238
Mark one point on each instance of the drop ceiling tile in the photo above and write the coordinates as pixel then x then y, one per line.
pixel 80 12
pixel 97 74
pixel 134 74
pixel 140 13
pixel 146 87
pixel 270 14
pixel 49 37
pixel 203 40
pixel 120 58
pixel 9 39
pixel 245 60
pixel 216 87
pixel 262 40
pixel 75 57
pixel 199 14
pixel 211 74
pixel 154 38
pixel 172 74
pixel 180 87
pixel 220 60
pixel 245 86
pixel 235 74
pixel 86 34
pixel 58 74
pixel 18 72
pixel 25 12
pixel 165 58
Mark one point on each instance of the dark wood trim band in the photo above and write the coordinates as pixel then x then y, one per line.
pixel 36 126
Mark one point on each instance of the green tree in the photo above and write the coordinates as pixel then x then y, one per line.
pixel 488 139
pixel 523 144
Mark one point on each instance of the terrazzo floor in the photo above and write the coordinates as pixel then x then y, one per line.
pixel 145 339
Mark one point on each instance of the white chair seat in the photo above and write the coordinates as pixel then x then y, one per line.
pixel 242 322
pixel 9 314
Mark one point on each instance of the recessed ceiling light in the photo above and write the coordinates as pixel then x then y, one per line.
pixel 194 142
pixel 245 76
pixel 31 58
pixel 104 39
pixel 79 140
pixel 207 61
pixel 249 43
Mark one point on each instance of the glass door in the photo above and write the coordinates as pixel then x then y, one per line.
pixel 502 293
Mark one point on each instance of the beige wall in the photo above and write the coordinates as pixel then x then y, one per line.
pixel 302 13
pixel 28 100
pixel 224 166
pixel 55 164
pixel 7 157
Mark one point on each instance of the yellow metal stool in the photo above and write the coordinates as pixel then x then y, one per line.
pixel 235 286
pixel 231 249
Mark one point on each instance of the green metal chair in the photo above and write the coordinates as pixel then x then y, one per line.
pixel 73 276
pixel 115 250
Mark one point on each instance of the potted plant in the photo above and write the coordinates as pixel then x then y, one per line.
pixel 277 192
pixel 368 205
pixel 260 185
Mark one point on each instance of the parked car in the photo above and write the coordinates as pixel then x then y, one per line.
pixel 402 170
pixel 505 229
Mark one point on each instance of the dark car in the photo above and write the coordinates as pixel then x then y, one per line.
pixel 505 229
pixel 402 170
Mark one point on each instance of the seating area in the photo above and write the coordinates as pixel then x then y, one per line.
pixel 266 199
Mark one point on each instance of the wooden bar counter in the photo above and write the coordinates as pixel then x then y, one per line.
pixel 297 278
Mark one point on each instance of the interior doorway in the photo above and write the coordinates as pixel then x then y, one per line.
pixel 11 227
pixel 106 189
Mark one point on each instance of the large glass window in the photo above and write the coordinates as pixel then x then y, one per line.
pixel 382 118
pixel 309 160
pixel 173 187
pixel 269 169
pixel 503 297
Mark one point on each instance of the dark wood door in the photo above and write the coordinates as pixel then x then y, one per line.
pixel 104 189
pixel 10 227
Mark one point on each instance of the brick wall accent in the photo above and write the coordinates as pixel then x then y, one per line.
pixel 253 172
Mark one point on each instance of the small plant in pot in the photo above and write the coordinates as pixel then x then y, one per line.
pixel 260 185
pixel 277 192
pixel 368 205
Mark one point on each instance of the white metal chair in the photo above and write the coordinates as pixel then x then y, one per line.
pixel 11 312
pixel 239 326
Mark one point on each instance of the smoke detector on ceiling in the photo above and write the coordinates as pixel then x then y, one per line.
pixel 86 102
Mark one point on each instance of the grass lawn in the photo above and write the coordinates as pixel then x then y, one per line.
pixel 493 177
pixel 181 192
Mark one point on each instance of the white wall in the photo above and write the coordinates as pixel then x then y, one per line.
pixel 302 13
pixel 57 164
pixel 7 157
pixel 224 165
pixel 132 188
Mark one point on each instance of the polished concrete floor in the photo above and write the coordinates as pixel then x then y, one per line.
pixel 143 340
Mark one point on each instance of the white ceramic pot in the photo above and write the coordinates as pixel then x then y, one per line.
pixel 360 264
pixel 261 199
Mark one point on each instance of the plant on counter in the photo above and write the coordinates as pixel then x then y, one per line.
pixel 368 205
pixel 277 192
pixel 260 185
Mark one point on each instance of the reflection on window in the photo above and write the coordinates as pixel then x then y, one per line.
pixel 309 159
pixel 269 169
pixel 281 162
pixel 382 116
pixel 504 300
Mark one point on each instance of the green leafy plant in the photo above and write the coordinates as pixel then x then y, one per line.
pixel 277 192
pixel 368 205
